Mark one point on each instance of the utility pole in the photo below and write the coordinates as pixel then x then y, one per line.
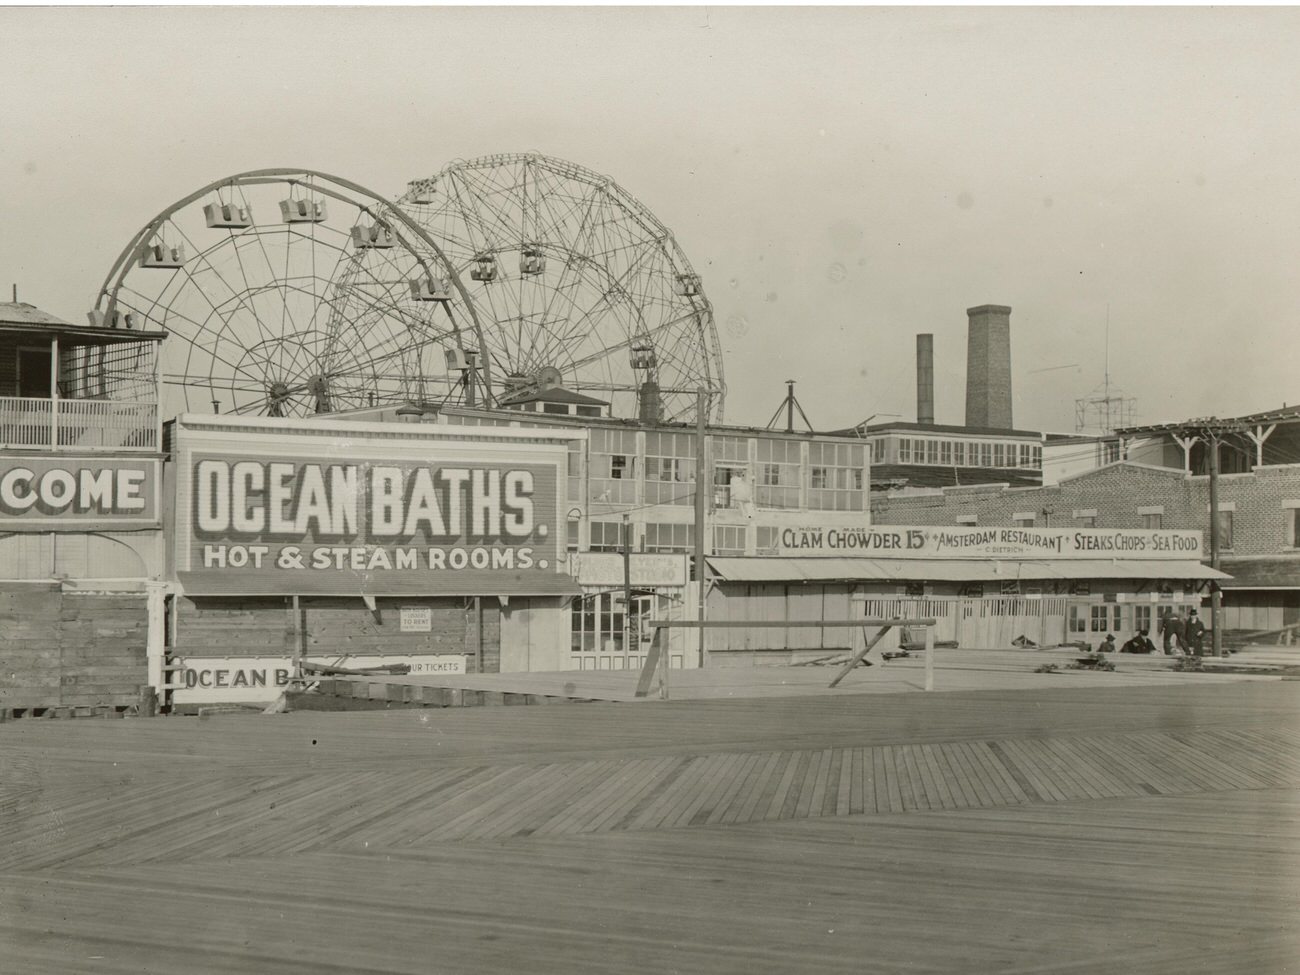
pixel 701 471
pixel 627 586
pixel 1216 634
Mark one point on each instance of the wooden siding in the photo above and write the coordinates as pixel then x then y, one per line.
pixel 249 626
pixel 68 649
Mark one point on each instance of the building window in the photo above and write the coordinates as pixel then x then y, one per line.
pixel 999 458
pixel 669 538
pixel 1103 618
pixel 1292 525
pixel 1077 623
pixel 1225 529
pixel 613 466
pixel 556 408
pixel 670 468
pixel 835 476
pixel 1036 456
pixel 730 461
pixel 904 450
pixel 575 528
pixel 967 520
pixel 945 452
pixel 768 540
pixel 1142 618
pixel 1110 452
pixel 588 410
pixel 780 464
pixel 606 536
pixel 985 455
pixel 959 454
pixel 1152 520
pixel 729 539
pixel 1023 519
pixel 1085 517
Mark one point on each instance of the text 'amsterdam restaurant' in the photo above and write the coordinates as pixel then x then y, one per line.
pixel 353 544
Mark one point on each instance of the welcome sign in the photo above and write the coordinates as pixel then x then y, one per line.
pixel 54 492
pixel 969 542
pixel 455 524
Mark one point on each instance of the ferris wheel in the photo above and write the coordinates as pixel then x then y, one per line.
pixel 575 283
pixel 243 274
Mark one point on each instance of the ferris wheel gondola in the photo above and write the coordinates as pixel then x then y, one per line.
pixel 244 275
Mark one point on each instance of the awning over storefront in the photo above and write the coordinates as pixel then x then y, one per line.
pixel 1283 573
pixel 254 583
pixel 761 569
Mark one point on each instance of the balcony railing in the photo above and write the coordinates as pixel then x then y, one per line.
pixel 68 424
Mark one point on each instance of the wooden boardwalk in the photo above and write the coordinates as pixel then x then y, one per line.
pixel 1152 829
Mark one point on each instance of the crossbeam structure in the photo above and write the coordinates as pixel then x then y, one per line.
pixel 654 673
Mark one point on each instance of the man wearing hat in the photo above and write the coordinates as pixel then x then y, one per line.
pixel 1195 633
pixel 1172 626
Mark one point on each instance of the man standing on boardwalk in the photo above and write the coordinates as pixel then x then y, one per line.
pixel 1171 625
pixel 1195 633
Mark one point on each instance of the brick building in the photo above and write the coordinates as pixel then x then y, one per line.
pixel 1259 530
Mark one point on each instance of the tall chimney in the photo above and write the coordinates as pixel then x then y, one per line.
pixel 925 379
pixel 988 367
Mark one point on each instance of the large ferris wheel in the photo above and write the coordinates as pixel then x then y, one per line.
pixel 245 273
pixel 574 281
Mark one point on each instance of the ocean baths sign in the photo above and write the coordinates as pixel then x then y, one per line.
pixel 969 542
pixel 459 520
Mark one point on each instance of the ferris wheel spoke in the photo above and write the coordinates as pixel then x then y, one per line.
pixel 624 343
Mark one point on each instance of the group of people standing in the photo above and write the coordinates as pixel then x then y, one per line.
pixel 1186 634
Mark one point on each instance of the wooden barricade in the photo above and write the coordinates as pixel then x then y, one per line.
pixel 654 673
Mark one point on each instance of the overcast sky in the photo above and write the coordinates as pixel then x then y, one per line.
pixel 842 178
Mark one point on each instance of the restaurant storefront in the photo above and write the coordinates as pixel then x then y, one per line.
pixel 987 587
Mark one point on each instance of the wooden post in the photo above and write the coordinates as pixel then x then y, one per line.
pixel 853 662
pixel 929 658
pixel 1216 633
pixel 627 587
pixel 701 408
pixel 297 641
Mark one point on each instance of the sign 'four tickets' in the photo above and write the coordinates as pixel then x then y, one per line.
pixel 372 517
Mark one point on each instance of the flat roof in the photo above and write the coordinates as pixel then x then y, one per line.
pixel 20 318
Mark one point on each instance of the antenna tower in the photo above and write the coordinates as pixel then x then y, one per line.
pixel 1106 408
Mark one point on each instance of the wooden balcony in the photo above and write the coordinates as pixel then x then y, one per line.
pixel 78 424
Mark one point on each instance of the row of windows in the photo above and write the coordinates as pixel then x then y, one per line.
pixel 962 453
pixel 671 480
pixel 607 536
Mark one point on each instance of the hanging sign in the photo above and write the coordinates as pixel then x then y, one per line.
pixel 968 542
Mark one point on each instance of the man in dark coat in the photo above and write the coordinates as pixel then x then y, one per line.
pixel 1173 628
pixel 1195 633
pixel 1141 643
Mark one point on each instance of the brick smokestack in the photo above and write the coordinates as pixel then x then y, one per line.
pixel 988 367
pixel 925 379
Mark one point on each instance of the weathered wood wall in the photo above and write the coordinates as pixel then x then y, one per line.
pixel 261 626
pixel 62 649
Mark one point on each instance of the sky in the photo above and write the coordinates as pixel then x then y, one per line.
pixel 842 178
